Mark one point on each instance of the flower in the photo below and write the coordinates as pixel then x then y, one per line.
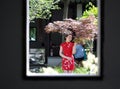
pixel 49 70
pixel 84 28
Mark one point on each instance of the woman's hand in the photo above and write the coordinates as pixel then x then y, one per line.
pixel 62 55
pixel 69 58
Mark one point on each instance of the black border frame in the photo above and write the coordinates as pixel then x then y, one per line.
pixel 100 77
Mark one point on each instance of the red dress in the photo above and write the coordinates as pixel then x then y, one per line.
pixel 67 51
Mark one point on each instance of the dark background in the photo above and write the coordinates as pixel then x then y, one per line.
pixel 12 54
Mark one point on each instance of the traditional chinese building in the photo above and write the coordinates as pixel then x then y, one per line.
pixel 51 42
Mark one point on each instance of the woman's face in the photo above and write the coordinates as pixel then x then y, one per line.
pixel 69 38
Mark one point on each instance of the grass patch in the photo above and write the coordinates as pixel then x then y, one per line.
pixel 78 70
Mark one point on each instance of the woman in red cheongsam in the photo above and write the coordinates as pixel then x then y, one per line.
pixel 67 49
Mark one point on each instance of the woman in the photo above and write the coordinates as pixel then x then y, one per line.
pixel 67 49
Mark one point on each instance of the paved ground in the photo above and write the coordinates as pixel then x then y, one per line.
pixel 53 61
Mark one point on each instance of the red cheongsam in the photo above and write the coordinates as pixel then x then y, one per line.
pixel 67 51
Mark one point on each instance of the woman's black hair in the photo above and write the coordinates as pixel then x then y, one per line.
pixel 73 35
pixel 65 35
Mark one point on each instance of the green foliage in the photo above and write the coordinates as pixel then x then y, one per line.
pixel 90 10
pixel 32 34
pixel 88 45
pixel 77 70
pixel 58 69
pixel 80 70
pixel 42 8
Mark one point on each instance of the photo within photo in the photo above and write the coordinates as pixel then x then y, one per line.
pixel 63 38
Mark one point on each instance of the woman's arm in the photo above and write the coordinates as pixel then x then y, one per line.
pixel 62 55
pixel 74 48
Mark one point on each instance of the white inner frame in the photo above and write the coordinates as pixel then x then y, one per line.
pixel 28 73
